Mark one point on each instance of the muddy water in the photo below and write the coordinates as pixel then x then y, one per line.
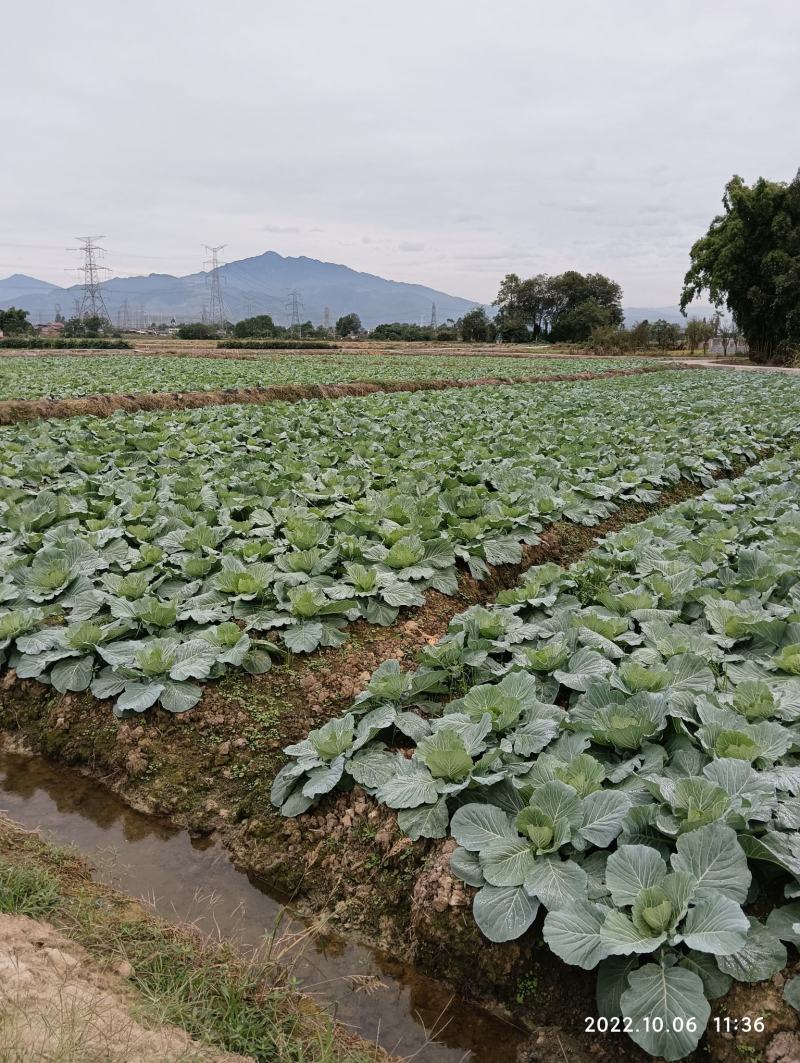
pixel 380 998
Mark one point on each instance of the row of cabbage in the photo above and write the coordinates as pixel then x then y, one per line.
pixel 69 377
pixel 616 744
pixel 142 554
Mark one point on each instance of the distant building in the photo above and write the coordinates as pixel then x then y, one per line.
pixel 716 346
pixel 52 328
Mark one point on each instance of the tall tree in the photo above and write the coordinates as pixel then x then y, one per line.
pixel 640 335
pixel 537 301
pixel 14 320
pixel 665 334
pixel 348 324
pixel 475 326
pixel 90 327
pixel 698 333
pixel 749 261
pixel 568 307
pixel 260 325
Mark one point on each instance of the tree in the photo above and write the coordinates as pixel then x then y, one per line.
pixel 404 330
pixel 260 325
pixel 512 329
pixel 582 303
pixel 198 330
pixel 525 306
pixel 14 320
pixel 348 325
pixel 640 336
pixel 475 326
pixel 568 307
pixel 665 334
pixel 574 324
pixel 87 327
pixel 510 318
pixel 446 333
pixel 694 333
pixel 728 334
pixel 698 333
pixel 749 262
pixel 610 338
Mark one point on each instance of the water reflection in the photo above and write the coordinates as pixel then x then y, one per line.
pixel 195 881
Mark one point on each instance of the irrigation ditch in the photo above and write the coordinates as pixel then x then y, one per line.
pixel 376 998
pixel 208 773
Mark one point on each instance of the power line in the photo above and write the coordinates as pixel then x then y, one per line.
pixel 216 310
pixel 434 323
pixel 92 303
pixel 326 319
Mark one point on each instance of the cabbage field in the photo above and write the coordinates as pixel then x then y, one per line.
pixel 74 377
pixel 603 756
pixel 614 744
pixel 167 546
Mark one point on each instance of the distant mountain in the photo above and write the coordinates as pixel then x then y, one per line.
pixel 20 287
pixel 262 285
pixel 666 313
pixel 259 285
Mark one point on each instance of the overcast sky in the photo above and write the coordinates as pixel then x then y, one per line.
pixel 445 142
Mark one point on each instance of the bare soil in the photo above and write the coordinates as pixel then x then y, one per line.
pixel 58 1003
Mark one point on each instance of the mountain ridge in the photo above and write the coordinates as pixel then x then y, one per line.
pixel 260 284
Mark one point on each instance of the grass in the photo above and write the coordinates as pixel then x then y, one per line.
pixel 181 978
pixel 27 890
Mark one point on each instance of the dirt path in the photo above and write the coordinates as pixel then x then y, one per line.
pixel 747 367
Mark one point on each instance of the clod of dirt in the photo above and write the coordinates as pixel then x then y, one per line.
pixel 446 941
pixel 436 887
pixel 781 1026
pixel 783 1048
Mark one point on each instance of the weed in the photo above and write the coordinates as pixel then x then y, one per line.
pixel 27 890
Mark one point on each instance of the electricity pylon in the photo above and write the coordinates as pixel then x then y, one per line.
pixel 92 303
pixel 216 309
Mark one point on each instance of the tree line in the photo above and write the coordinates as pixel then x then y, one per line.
pixel 667 336
pixel 14 322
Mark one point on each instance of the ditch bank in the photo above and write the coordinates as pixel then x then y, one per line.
pixel 15 411
pixel 384 1007
pixel 210 771
pixel 90 974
